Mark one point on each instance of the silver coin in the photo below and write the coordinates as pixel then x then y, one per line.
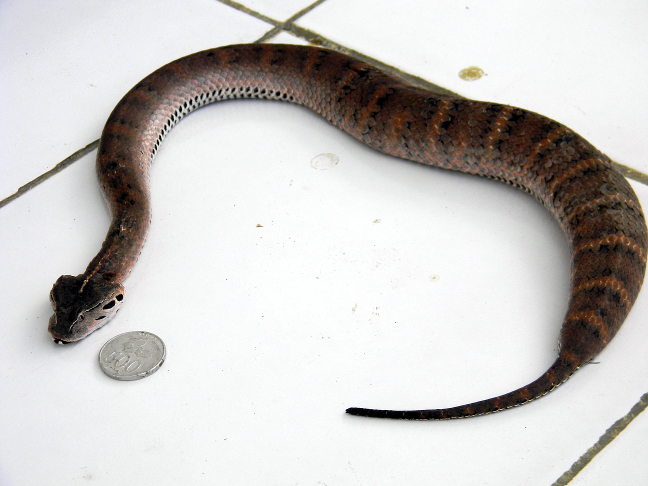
pixel 132 356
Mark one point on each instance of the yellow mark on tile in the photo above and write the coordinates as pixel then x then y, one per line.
pixel 472 73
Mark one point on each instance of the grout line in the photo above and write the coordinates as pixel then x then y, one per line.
pixel 305 10
pixel 283 26
pixel 249 11
pixel 631 173
pixel 55 170
pixel 609 435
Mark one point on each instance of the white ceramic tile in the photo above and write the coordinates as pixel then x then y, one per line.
pixel 287 38
pixel 581 62
pixel 65 65
pixel 273 331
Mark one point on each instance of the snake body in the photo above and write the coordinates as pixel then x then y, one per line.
pixel 593 203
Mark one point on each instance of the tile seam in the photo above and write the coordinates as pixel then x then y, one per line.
pixel 249 11
pixel 283 26
pixel 53 171
pixel 609 435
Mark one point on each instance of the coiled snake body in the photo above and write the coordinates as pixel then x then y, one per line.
pixel 592 201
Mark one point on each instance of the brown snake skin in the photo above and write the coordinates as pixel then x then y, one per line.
pixel 593 203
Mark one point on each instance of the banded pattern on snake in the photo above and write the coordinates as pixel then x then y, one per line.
pixel 593 203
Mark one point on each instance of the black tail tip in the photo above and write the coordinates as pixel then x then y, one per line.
pixel 369 412
pixel 396 414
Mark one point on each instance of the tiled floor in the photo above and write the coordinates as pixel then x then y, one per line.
pixel 373 283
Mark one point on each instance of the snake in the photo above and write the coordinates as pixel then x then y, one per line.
pixel 591 200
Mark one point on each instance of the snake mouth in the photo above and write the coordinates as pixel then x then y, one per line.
pixel 60 341
pixel 53 333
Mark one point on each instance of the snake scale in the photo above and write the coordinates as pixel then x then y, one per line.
pixel 593 203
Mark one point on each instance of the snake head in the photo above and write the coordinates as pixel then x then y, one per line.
pixel 82 305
